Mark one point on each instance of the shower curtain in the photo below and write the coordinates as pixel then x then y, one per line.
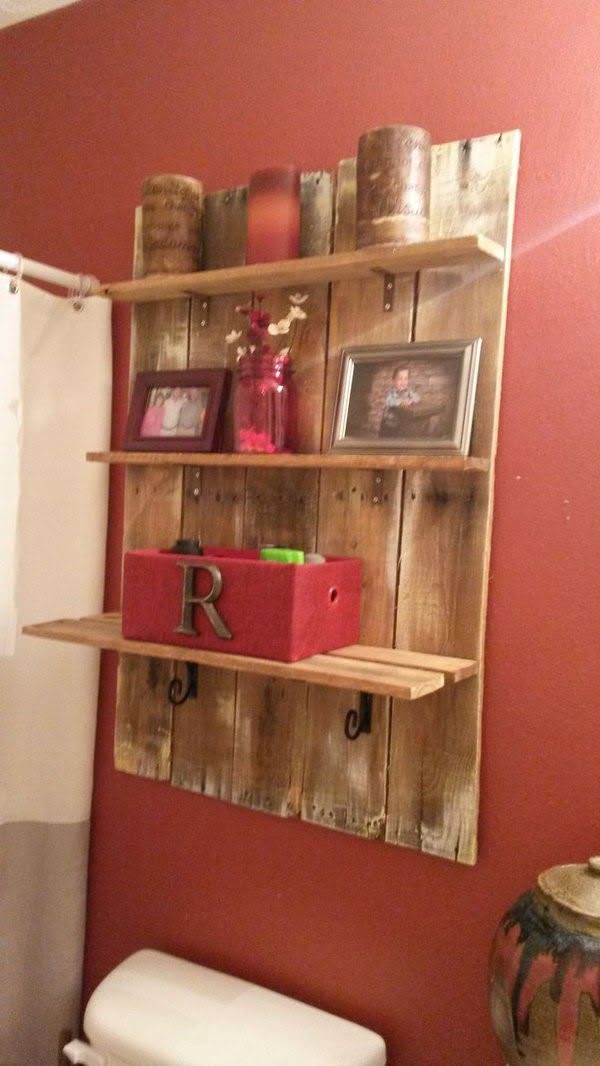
pixel 55 389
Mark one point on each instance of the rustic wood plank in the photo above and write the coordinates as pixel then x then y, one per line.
pixel 359 514
pixel 347 265
pixel 270 729
pixel 291 758
pixel 403 682
pixel 213 509
pixel 271 717
pixel 224 231
pixel 152 517
pixel 269 736
pixel 433 786
pixel 214 502
pixel 316 216
pixel 304 461
pixel 434 764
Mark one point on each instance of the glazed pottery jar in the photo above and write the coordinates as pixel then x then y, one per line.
pixel 545 971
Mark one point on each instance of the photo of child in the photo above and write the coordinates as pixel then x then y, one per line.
pixel 406 397
pixel 400 400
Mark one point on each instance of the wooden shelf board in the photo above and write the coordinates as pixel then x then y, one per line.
pixel 333 460
pixel 340 266
pixel 377 670
pixel 453 669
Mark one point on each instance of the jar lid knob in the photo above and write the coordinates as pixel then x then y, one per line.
pixel 594 865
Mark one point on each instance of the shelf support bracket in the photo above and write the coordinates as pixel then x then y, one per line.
pixel 389 291
pixel 175 690
pixel 359 721
pixel 204 312
pixel 377 492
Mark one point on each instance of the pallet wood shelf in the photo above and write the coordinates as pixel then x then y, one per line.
pixel 333 461
pixel 340 266
pixel 386 671
pixel 252 735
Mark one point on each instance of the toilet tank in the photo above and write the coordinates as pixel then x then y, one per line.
pixel 157 1010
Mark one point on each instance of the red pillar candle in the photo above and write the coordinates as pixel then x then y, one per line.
pixel 273 215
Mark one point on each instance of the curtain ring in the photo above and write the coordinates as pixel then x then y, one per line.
pixel 15 282
pixel 78 294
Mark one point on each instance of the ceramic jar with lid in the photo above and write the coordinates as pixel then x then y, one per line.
pixel 545 971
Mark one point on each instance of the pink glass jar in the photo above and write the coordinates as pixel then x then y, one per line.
pixel 263 404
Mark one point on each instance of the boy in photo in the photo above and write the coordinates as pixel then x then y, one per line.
pixel 396 420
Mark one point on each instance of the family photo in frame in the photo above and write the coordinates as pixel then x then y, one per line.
pixel 407 397
pixel 177 410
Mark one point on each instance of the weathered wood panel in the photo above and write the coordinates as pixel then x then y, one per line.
pixel 271 717
pixel 359 514
pixel 442 595
pixel 160 336
pixel 213 509
pixel 424 535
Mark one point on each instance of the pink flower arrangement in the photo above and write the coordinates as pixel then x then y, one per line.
pixel 251 440
pixel 264 404
pixel 261 328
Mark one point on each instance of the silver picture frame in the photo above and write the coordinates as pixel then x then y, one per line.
pixel 413 398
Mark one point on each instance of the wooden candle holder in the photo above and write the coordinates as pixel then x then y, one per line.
pixel 171 219
pixel 393 184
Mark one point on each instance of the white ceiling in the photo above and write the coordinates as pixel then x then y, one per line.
pixel 19 10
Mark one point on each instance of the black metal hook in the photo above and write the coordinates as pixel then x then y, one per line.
pixel 359 721
pixel 175 690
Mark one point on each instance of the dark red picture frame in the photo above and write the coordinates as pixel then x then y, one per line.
pixel 209 440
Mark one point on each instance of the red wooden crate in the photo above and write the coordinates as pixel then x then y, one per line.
pixel 271 610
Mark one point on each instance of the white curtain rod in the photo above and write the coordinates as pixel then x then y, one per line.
pixel 17 264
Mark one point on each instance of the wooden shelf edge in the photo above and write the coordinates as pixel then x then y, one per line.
pixel 339 266
pixel 454 669
pixel 333 460
pixel 358 668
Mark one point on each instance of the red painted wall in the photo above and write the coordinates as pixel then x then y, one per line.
pixel 95 97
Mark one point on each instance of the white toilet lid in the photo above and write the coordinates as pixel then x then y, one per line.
pixel 156 1010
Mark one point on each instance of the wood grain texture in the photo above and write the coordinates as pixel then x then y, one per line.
pixel 392 185
pixel 453 669
pixel 434 763
pixel 359 514
pixel 105 632
pixel 271 736
pixel 213 510
pixel 305 461
pixel 160 334
pixel 282 509
pixel 268 756
pixel 345 265
pixel 171 214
